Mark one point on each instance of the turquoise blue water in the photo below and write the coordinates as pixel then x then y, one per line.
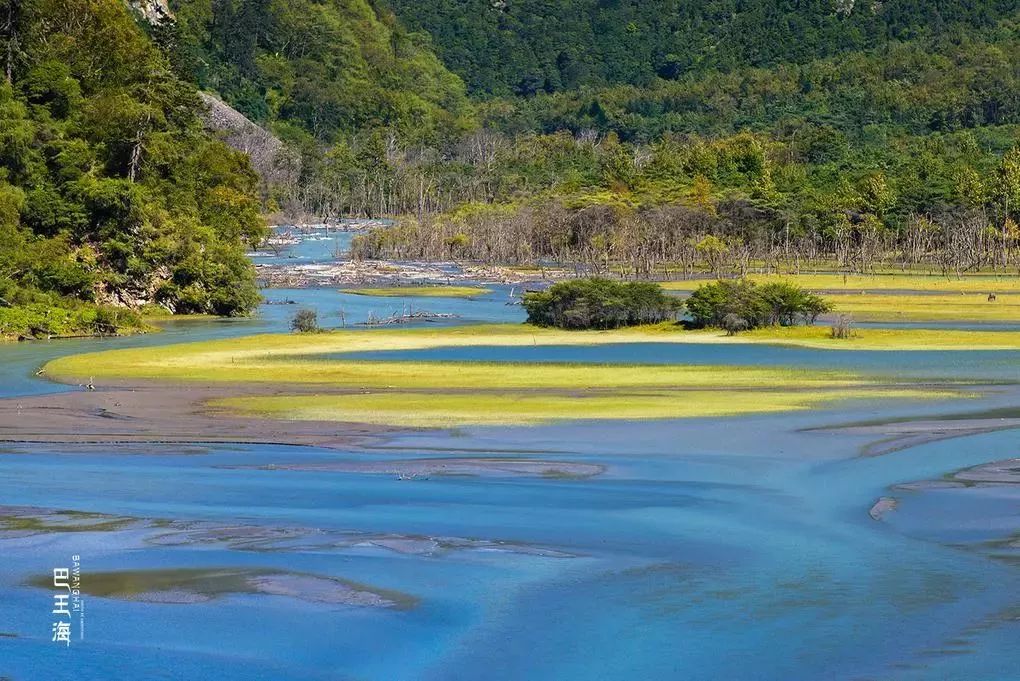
pixel 737 548
pixel 988 365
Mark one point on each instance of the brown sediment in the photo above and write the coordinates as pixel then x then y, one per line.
pixel 895 436
pixel 882 506
pixel 163 414
pixel 259 539
pixel 22 521
pixel 994 473
pixel 423 468
pixel 389 273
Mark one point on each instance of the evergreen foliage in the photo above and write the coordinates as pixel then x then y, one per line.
pixel 595 303
pixel 110 192
pixel 736 305
pixel 315 70
pixel 524 47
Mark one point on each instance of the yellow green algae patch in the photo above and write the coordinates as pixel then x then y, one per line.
pixel 318 358
pixel 417 375
pixel 432 410
pixel 833 281
pixel 960 307
pixel 418 393
pixel 420 291
pixel 199 585
pixel 819 337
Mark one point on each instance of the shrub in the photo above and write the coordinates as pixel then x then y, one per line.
pixel 721 303
pixel 305 321
pixel 787 304
pixel 843 327
pixel 595 303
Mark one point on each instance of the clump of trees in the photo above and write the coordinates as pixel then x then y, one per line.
pixel 595 303
pixel 740 304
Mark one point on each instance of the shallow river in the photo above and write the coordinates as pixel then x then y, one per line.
pixel 736 548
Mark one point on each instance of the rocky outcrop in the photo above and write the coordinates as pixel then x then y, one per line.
pixel 274 163
pixel 153 11
pixel 270 158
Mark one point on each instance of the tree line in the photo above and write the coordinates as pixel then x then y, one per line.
pixel 683 205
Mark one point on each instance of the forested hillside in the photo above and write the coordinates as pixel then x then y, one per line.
pixel 663 135
pixel 503 47
pixel 324 68
pixel 111 195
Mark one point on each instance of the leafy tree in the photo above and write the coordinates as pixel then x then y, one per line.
pixel 111 193
pixel 738 304
pixel 595 303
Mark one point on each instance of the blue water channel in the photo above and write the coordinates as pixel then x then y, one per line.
pixel 731 548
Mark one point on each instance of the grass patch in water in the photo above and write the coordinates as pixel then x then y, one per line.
pixel 980 283
pixel 439 393
pixel 294 358
pixel 960 307
pixel 429 410
pixel 196 585
pixel 62 521
pixel 819 337
pixel 295 362
pixel 420 291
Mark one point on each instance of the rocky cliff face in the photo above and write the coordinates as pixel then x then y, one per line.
pixel 274 163
pixel 153 11
pixel 269 157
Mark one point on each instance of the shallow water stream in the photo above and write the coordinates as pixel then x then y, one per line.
pixel 736 548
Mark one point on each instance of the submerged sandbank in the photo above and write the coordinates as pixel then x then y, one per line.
pixel 452 466
pixel 199 585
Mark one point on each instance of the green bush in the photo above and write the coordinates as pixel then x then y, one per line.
pixel 779 303
pixel 305 321
pixel 595 303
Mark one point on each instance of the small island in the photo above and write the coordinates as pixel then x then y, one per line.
pixel 425 291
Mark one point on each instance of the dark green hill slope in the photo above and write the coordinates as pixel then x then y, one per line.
pixel 525 46
pixel 325 67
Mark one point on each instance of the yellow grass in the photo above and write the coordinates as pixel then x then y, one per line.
pixel 420 291
pixel 261 367
pixel 887 339
pixel 880 282
pixel 960 307
pixel 473 409
pixel 428 393
pixel 291 357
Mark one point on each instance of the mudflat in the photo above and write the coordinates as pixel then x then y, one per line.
pixel 164 413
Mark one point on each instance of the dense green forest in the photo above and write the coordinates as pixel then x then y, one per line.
pixel 523 47
pixel 111 195
pixel 318 72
